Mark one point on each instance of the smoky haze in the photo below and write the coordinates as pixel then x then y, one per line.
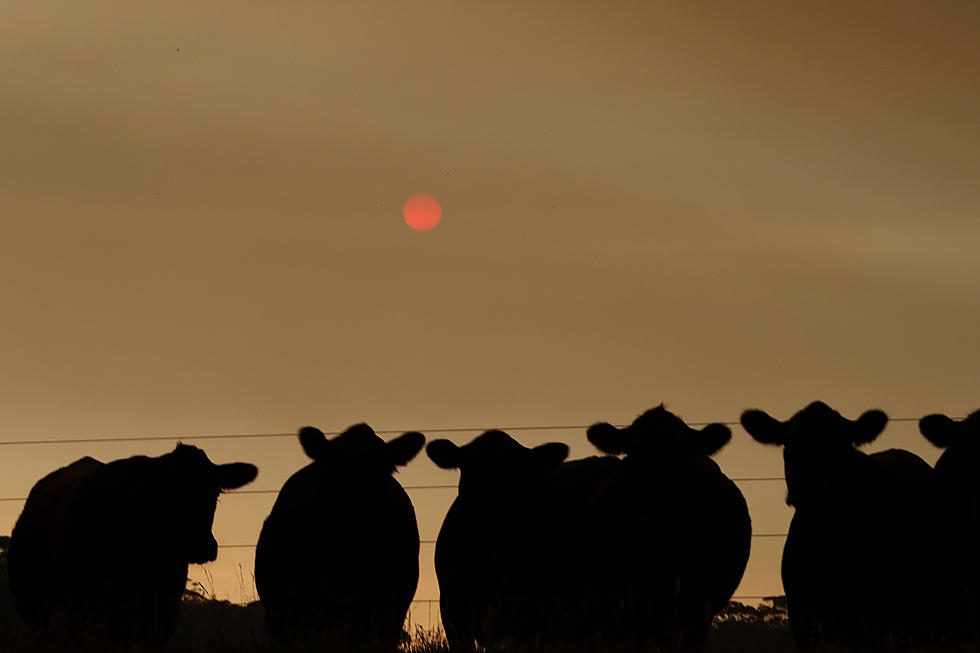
pixel 714 208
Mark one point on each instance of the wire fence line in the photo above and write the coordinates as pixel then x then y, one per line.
pixel 455 429
pixel 252 546
pixel 467 429
pixel 428 487
pixel 428 602
pixel 737 596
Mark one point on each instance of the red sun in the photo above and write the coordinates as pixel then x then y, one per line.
pixel 422 212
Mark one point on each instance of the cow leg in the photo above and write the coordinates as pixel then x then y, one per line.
pixel 459 627
pixel 803 623
pixel 695 619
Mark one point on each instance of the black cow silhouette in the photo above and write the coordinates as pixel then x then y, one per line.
pixel 670 533
pixel 958 481
pixel 487 539
pixel 553 601
pixel 106 546
pixel 857 564
pixel 337 560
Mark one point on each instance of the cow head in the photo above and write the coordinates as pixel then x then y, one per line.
pixel 961 440
pixel 817 444
pixel 360 450
pixel 494 461
pixel 945 433
pixel 189 508
pixel 660 435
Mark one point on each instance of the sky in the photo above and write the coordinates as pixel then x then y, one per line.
pixel 757 205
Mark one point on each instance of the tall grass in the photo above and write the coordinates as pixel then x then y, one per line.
pixel 210 626
pixel 207 625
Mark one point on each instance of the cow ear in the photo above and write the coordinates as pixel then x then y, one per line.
pixel 938 429
pixel 973 419
pixel 551 454
pixel 868 426
pixel 403 448
pixel 444 453
pixel 232 475
pixel 763 427
pixel 607 438
pixel 711 438
pixel 314 442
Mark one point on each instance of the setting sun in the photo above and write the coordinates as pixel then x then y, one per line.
pixel 422 212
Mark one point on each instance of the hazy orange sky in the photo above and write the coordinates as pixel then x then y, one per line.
pixel 756 206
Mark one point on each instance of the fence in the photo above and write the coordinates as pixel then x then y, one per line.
pixel 428 603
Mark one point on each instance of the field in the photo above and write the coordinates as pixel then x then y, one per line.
pixel 211 626
pixel 222 627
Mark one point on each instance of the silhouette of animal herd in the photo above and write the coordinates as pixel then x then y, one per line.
pixel 632 550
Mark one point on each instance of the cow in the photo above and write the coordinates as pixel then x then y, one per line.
pixel 493 538
pixel 958 479
pixel 670 533
pixel 337 560
pixel 859 563
pixel 106 546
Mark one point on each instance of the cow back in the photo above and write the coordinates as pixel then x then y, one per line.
pixel 670 542
pixel 40 551
pixel 338 553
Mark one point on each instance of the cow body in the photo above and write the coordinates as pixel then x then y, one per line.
pixel 861 565
pixel 853 567
pixel 106 546
pixel 559 553
pixel 669 534
pixel 958 500
pixel 338 557
pixel 490 541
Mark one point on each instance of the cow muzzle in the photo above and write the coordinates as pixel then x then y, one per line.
pixel 205 552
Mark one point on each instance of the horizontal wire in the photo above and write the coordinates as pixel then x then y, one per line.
pixel 737 596
pixel 462 429
pixel 429 542
pixel 453 486
pixel 252 546
pixel 246 546
pixel 425 487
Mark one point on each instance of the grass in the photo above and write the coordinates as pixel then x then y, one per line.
pixel 206 625
pixel 209 626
